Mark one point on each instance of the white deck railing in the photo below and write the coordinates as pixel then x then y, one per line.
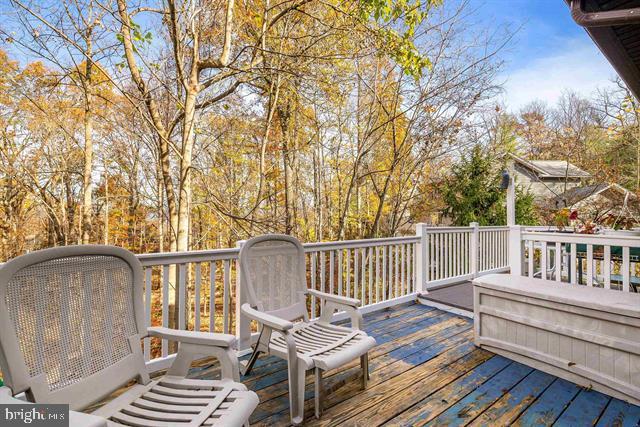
pixel 457 254
pixel 379 272
pixel 382 272
pixel 606 261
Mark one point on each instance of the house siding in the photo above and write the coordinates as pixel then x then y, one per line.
pixel 542 188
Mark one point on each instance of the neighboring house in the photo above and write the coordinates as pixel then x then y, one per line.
pixel 600 200
pixel 547 179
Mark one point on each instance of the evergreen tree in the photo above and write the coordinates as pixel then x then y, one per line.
pixel 472 193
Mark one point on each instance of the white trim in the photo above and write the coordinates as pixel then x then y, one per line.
pixel 443 283
pixel 378 306
pixel 448 281
pixel 447 308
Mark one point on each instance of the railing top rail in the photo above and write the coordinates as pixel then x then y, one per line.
pixel 591 239
pixel 362 243
pixel 168 258
pixel 447 229
pixel 494 228
pixel 549 228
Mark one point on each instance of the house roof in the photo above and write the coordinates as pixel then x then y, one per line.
pixel 577 194
pixel 616 35
pixel 553 168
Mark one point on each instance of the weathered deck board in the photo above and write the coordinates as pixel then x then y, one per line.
pixel 426 371
pixel 511 404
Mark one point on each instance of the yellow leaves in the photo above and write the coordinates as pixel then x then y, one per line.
pixel 99 75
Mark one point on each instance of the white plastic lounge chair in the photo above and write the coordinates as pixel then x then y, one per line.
pixel 72 320
pixel 273 282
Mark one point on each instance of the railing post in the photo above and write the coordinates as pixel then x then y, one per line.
pixel 474 249
pixel 243 325
pixel 516 250
pixel 422 263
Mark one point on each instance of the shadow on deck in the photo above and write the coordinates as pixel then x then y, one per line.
pixel 459 295
pixel 425 370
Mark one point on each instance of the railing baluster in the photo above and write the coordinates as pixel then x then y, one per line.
pixel 409 249
pixel 165 306
pixel 226 297
pixel 626 269
pixel 385 279
pixel 490 248
pixel 494 250
pixel 196 298
pixel 543 260
pixel 589 265
pixel 212 296
pixel 376 250
pixel 356 273
pixel 313 283
pixel 606 267
pixel 147 310
pixel 483 252
pixel 331 271
pixel 436 255
pixel 371 250
pixel 323 268
pixel 396 271
pixel 443 255
pixel 498 240
pixel 558 262
pixel 531 259
pixel 340 272
pixel 447 258
pixel 456 254
pixel 573 261
pixel 462 253
pixel 182 275
pixel 402 270
pixel 363 288
pixel 348 278
pixel 467 253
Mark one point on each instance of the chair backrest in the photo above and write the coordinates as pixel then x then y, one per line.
pixel 273 275
pixel 72 319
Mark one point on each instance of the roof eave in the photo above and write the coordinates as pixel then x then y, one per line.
pixel 610 47
pixel 605 38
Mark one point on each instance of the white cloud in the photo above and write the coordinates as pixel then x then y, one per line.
pixel 576 64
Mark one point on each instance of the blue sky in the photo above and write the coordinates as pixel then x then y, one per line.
pixel 550 53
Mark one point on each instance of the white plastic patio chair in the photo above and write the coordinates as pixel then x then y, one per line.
pixel 273 280
pixel 72 322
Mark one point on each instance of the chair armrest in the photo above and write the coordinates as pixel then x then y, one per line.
pixel 351 302
pixel 333 303
pixel 194 345
pixel 6 397
pixel 266 319
pixel 76 419
pixel 193 337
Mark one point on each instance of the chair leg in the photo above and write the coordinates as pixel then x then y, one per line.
pixel 319 393
pixel 297 374
pixel 364 363
pixel 252 360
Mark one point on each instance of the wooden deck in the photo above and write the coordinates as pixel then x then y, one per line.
pixel 426 371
